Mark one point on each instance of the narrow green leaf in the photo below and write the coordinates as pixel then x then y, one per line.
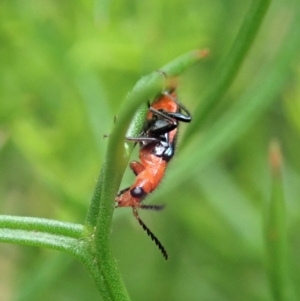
pixel 40 225
pixel 228 128
pixel 275 232
pixel 40 239
pixel 228 70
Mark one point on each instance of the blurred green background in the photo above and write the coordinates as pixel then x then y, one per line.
pixel 65 68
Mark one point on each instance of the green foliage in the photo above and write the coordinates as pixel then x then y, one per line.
pixel 65 68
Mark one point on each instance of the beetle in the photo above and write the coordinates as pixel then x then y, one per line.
pixel 157 147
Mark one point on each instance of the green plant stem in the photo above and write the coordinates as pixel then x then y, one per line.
pixel 102 205
pixel 228 70
pixel 146 87
pixel 112 170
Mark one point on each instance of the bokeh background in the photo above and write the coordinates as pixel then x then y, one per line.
pixel 65 68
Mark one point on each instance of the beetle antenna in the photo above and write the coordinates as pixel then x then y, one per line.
pixel 152 236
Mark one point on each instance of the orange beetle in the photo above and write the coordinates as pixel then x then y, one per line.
pixel 157 146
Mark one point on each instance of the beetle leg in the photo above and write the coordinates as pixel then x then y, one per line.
pixel 152 207
pixel 123 191
pixel 137 167
pixel 142 139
